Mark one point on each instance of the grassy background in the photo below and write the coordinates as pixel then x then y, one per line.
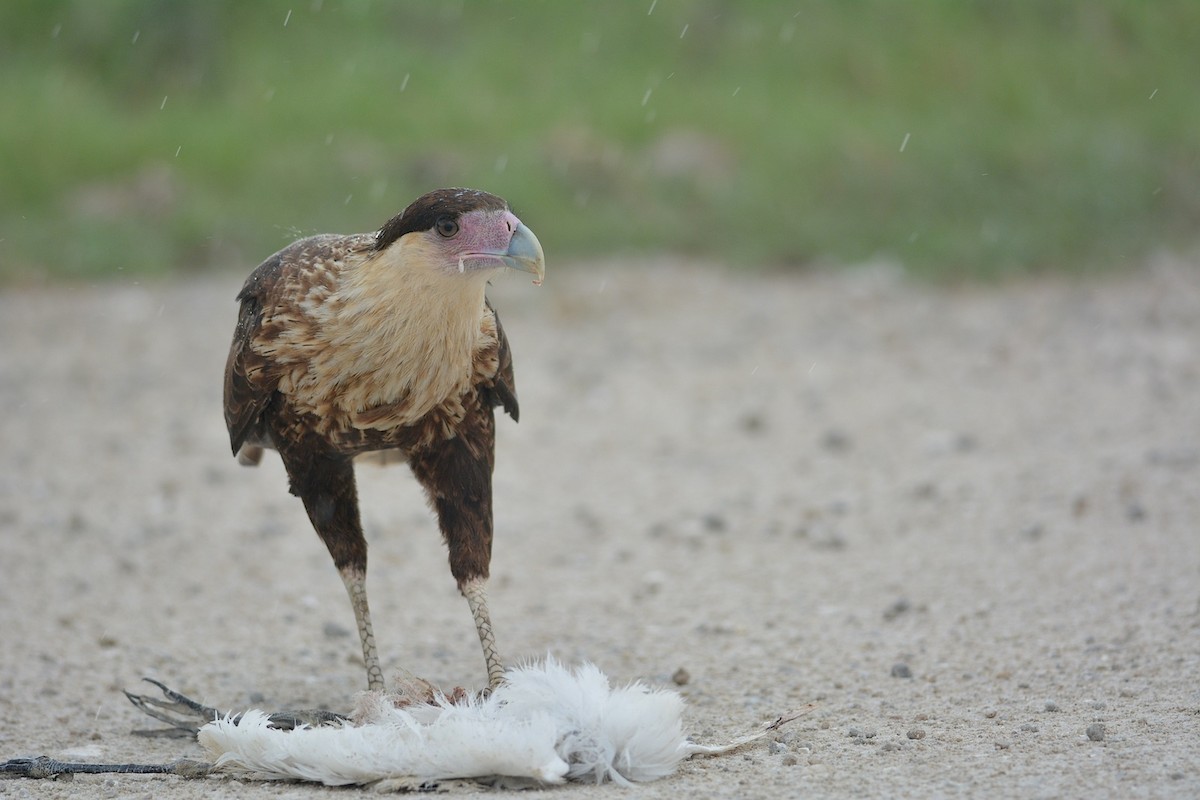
pixel 961 138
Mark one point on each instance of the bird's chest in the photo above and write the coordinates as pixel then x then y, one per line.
pixel 367 376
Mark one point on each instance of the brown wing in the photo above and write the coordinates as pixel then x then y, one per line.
pixel 504 387
pixel 272 302
pixel 249 384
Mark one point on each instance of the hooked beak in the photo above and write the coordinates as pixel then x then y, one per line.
pixel 525 254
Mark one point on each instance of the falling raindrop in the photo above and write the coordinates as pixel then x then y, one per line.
pixel 735 91
pixel 1151 97
pixel 329 138
pixel 683 32
pixel 501 163
pixel 349 197
pixel 55 31
pixel 404 83
pixel 178 150
pixel 287 18
pixel 904 144
pixel 653 3
pixel 645 97
pixel 136 34
pixel 163 104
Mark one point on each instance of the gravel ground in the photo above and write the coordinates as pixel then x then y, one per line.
pixel 961 523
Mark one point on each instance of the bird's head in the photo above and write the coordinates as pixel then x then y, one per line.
pixel 462 232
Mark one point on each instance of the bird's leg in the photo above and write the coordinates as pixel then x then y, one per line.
pixel 325 482
pixel 356 586
pixel 475 590
pixel 457 475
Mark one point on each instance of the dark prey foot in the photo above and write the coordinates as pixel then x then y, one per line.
pixel 184 714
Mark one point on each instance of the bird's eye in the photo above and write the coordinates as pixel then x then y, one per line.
pixel 446 227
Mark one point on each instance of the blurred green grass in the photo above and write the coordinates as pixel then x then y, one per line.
pixel 969 138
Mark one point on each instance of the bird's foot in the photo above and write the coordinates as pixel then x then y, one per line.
pixel 185 715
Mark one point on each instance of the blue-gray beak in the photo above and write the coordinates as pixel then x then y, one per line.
pixel 525 254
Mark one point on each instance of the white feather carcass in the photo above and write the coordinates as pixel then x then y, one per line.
pixel 545 725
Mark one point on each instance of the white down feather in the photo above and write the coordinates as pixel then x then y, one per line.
pixel 547 723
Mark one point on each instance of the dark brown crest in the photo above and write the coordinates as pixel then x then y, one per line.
pixel 423 212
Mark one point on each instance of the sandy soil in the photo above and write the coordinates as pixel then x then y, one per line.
pixel 963 523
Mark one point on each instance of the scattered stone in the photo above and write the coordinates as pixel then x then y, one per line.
pixel 926 490
pixel 1096 731
pixel 333 630
pixel 861 733
pixel 1029 727
pixel 775 747
pixel 1135 512
pixel 916 733
pixel 990 713
pixel 1002 744
pixel 1034 531
pixel 753 422
pixel 836 441
pixel 896 609
pixel 901 670
pixel 1051 706
pixel 790 760
pixel 680 677
pixel 889 747
pixel 1080 506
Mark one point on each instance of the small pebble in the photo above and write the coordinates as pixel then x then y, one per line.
pixel 680 677
pixel 915 733
pixel 888 747
pixel 836 441
pixel 1029 727
pixel 897 608
pixel 333 630
pixel 1095 732
pixel 1051 705
pixel 790 760
pixel 901 671
pixel 774 747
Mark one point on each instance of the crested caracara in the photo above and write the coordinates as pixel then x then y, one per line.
pixel 385 342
